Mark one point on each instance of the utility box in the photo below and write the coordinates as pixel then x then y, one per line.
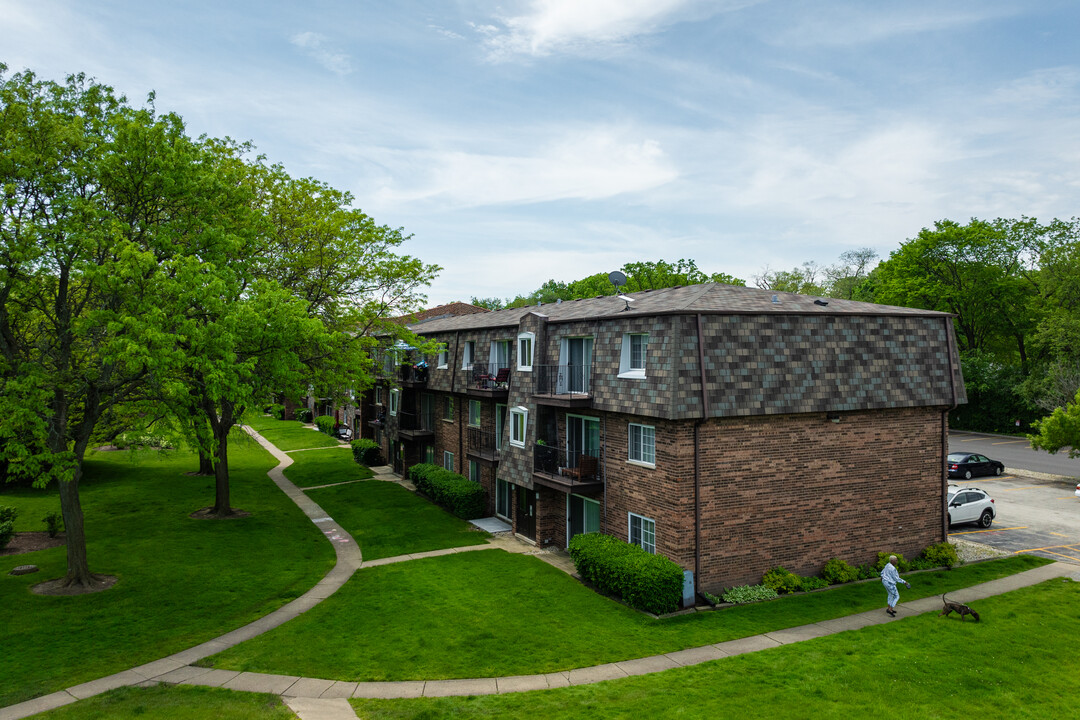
pixel 688 599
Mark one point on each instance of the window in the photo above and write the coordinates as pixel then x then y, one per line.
pixel 500 424
pixel 499 356
pixel 502 498
pixel 444 359
pixel 643 533
pixel 642 444
pixel 634 349
pixel 525 351
pixel 429 454
pixel 469 356
pixel 448 409
pixel 519 421
pixel 474 413
pixel 474 471
pixel 582 516
pixel 395 400
pixel 378 395
pixel 448 460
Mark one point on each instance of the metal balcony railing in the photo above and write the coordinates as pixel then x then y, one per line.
pixel 562 379
pixel 413 374
pixel 571 467
pixel 486 376
pixel 416 422
pixel 376 415
pixel 482 443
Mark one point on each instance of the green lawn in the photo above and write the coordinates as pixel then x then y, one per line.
pixel 388 520
pixel 181 581
pixel 175 703
pixel 33 505
pixel 1019 662
pixel 492 613
pixel 289 434
pixel 325 467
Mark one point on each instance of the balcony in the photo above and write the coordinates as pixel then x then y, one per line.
pixel 376 415
pixel 488 381
pixel 563 385
pixel 569 472
pixel 413 376
pixel 413 426
pixel 481 445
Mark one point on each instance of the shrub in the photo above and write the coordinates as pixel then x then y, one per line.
pixel 302 414
pixel 902 565
pixel 812 583
pixel 836 572
pixel 54 521
pixel 454 492
pixel 277 411
pixel 367 452
pixel 942 554
pixel 867 571
pixel 7 525
pixel 8 514
pixel 326 423
pixel 781 580
pixel 652 583
pixel 749 593
pixel 921 563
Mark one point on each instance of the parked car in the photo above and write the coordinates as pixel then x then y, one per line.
pixel 342 432
pixel 1078 490
pixel 970 505
pixel 968 465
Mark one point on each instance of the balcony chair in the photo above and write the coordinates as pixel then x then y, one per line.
pixel 585 470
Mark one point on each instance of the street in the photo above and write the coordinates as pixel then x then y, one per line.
pixel 1036 514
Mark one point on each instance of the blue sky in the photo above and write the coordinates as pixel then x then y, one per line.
pixel 520 141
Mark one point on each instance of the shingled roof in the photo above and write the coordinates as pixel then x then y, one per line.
pixel 709 299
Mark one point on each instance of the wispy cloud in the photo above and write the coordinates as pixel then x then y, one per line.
pixel 590 164
pixel 315 46
pixel 551 26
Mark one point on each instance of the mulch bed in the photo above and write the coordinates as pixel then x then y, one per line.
pixel 25 542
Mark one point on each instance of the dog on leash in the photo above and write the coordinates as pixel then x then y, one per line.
pixel 959 608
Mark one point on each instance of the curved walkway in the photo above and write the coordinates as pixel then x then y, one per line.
pixel 323 699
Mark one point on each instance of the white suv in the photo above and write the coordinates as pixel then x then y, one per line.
pixel 969 504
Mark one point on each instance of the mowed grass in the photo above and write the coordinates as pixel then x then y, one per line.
pixel 325 467
pixel 181 581
pixel 387 520
pixel 33 506
pixel 175 703
pixel 1019 662
pixel 491 613
pixel 289 434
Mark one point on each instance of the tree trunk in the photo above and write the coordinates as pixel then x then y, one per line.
pixel 78 572
pixel 222 428
pixel 206 463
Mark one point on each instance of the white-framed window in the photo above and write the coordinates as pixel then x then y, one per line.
pixel 643 533
pixel 519 422
pixel 525 351
pixel 395 400
pixel 448 460
pixel 634 350
pixel 448 409
pixel 642 441
pixel 502 498
pixel 443 360
pixel 474 413
pixel 378 395
pixel 468 356
pixel 474 471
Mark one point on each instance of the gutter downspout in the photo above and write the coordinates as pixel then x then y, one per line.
pixel 697 455
pixel 950 340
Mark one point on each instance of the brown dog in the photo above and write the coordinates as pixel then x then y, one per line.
pixel 959 608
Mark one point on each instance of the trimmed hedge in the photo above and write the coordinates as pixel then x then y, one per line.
pixel 454 492
pixel 367 452
pixel 326 423
pixel 302 414
pixel 647 582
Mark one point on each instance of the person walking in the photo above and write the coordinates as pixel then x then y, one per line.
pixel 889 578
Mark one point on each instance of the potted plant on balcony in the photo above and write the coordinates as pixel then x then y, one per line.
pixel 420 371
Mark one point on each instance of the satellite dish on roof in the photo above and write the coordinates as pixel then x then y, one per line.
pixel 617 279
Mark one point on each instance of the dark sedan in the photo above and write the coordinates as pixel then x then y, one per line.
pixel 968 465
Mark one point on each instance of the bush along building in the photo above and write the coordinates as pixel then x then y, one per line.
pixel 730 429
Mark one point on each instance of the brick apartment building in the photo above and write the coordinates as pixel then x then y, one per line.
pixel 731 429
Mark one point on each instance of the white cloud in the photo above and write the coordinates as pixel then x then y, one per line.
pixel 314 46
pixel 572 25
pixel 590 164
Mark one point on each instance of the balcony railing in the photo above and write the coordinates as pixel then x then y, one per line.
pixel 416 422
pixel 487 376
pixel 571 380
pixel 412 375
pixel 567 470
pixel 376 415
pixel 482 443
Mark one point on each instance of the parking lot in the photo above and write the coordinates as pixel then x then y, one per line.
pixel 1034 515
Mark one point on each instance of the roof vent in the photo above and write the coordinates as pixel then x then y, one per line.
pixel 821 302
pixel 776 299
pixel 558 301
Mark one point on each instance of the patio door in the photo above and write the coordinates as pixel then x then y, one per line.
pixel 526 513
pixel 582 516
pixel 575 362
pixel 582 438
